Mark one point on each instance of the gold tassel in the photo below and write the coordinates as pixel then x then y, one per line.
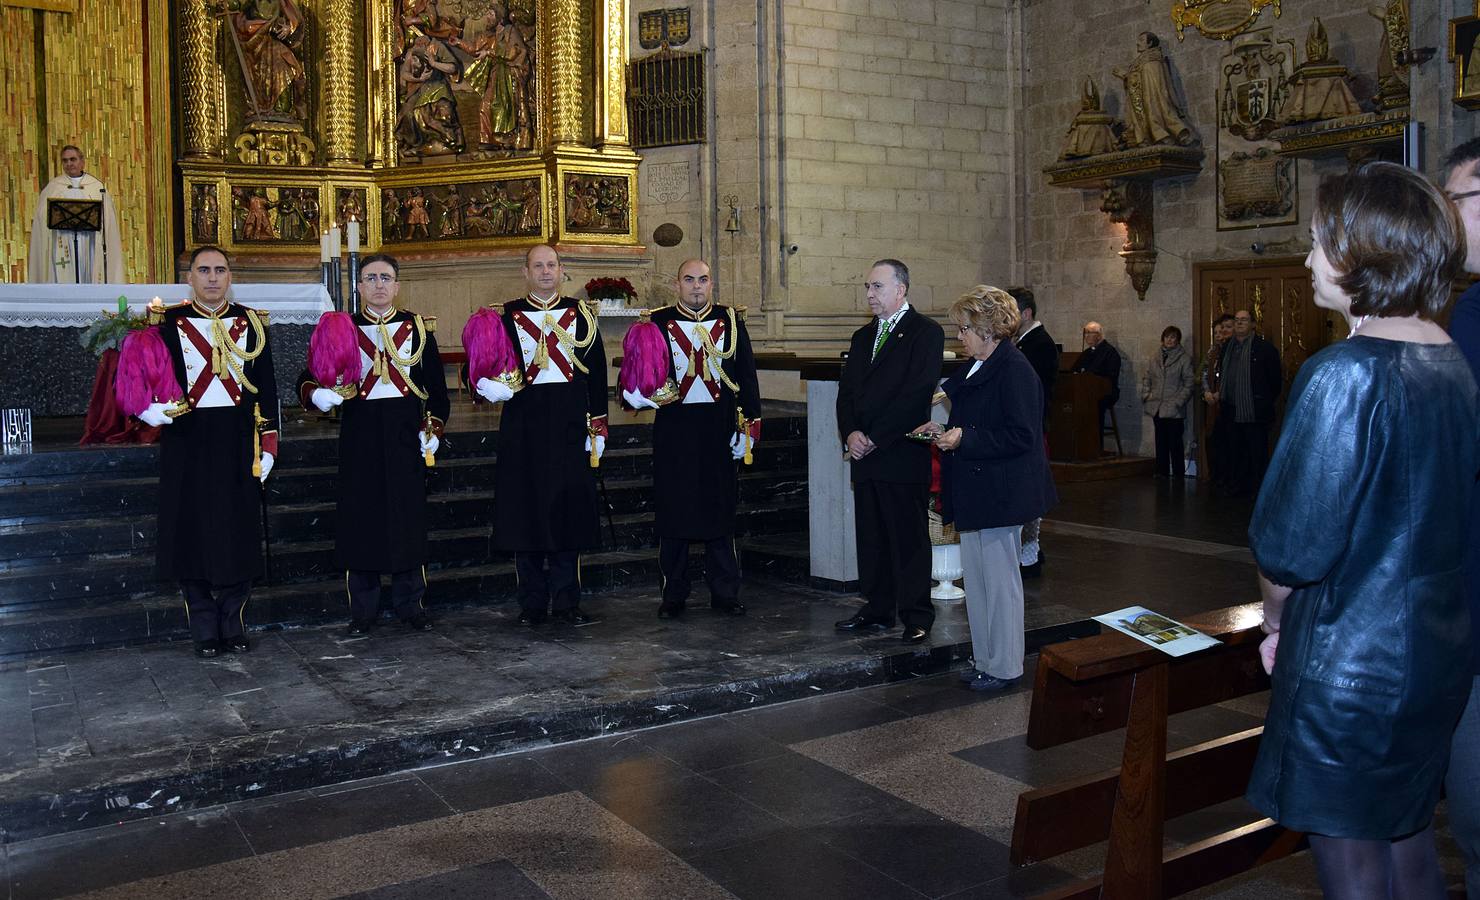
pixel 591 436
pixel 690 373
pixel 541 351
pixel 257 423
pixel 743 427
pixel 426 455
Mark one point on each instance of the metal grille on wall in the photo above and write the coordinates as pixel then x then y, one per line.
pixel 665 99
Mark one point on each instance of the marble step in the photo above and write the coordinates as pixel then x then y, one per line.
pixel 109 531
pixel 312 444
pixel 94 496
pixel 101 578
pixel 157 616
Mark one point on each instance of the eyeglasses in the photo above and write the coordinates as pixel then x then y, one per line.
pixel 381 279
pixel 1455 198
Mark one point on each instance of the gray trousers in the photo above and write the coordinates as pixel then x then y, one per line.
pixel 994 599
pixel 1462 785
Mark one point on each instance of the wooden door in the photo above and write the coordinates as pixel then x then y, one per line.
pixel 1277 293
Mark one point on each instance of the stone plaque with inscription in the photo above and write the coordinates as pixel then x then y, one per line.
pixel 667 182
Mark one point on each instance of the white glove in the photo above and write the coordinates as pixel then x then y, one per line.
pixel 493 391
pixel 638 401
pixel 737 445
pixel 155 416
pixel 325 399
pixel 429 442
pixel 266 464
pixel 600 445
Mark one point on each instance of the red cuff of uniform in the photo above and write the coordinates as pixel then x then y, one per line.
pixel 433 426
pixel 305 394
pixel 270 443
pixel 754 427
pixel 598 426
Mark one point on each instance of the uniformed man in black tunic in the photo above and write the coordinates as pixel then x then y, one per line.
pixel 698 436
pixel 389 430
pixel 217 448
pixel 552 434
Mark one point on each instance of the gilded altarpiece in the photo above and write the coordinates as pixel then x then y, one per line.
pixel 439 125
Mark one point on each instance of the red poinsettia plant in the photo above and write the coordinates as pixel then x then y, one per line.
pixel 610 289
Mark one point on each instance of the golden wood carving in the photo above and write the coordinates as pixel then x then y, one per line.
pixel 1341 135
pixel 1221 19
pixel 339 22
pixel 611 102
pixel 199 82
pixel 505 189
pixel 563 20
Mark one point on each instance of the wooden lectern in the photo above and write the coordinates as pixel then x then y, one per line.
pixel 1074 417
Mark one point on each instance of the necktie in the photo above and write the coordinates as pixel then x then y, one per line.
pixel 879 341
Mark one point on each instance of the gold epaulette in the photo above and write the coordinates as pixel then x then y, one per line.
pixel 430 322
pixel 262 314
pixel 156 313
pixel 592 306
pixel 741 311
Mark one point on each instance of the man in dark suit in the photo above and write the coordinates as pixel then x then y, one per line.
pixel 1251 383
pixel 1100 358
pixel 892 370
pixel 1042 354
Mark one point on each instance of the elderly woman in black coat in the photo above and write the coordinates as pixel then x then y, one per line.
pixel 994 477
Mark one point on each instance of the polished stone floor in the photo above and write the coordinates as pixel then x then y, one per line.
pixel 858 789
pixel 904 790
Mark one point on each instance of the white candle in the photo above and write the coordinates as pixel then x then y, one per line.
pixel 354 235
pixel 336 241
pixel 324 247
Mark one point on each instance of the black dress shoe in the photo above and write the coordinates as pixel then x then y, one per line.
pixel 670 610
pixel 531 618
pixel 207 649
pixel 420 622
pixel 572 616
pixel 236 645
pixel 914 634
pixel 360 627
pixel 733 608
pixel 861 622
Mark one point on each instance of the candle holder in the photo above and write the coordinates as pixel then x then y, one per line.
pixel 354 281
pixel 326 277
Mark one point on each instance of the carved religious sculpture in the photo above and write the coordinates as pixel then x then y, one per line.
pixel 1318 89
pixel 502 68
pixel 1152 115
pixel 1093 130
pixel 1392 73
pixel 428 123
pixel 266 37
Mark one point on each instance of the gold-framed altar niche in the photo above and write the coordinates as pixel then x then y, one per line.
pixel 462 207
pixel 593 200
pixel 453 208
pixel 1464 52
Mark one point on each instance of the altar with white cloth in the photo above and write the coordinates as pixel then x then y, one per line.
pixel 45 368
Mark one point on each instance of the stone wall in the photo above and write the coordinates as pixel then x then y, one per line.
pixel 854 130
pixel 1070 250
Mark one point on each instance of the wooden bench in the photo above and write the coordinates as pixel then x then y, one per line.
pixel 454 358
pixel 1091 686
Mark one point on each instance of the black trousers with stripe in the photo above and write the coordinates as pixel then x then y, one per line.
pixel 215 611
pixel 408 587
pixel 721 570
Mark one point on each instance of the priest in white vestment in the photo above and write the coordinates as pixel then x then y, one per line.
pixel 52 257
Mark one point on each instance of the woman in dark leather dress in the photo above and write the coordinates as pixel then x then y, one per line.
pixel 1359 533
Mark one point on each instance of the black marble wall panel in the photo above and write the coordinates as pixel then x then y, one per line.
pixel 49 371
